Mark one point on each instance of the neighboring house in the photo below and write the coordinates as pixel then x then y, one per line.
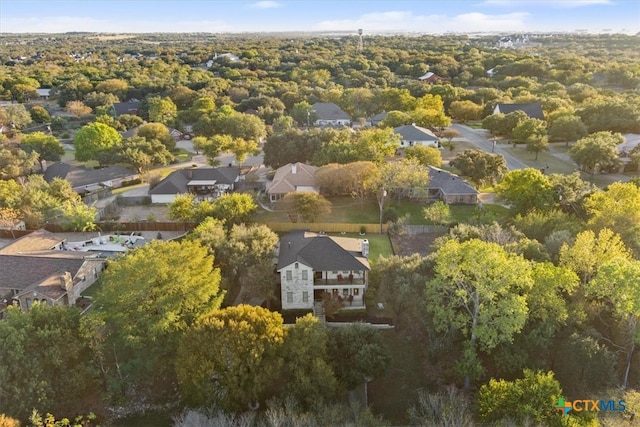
pixel 230 56
pixel 206 183
pixel 129 107
pixel 43 94
pixel 329 114
pixel 378 118
pixel 491 72
pixel 311 264
pixel 36 267
pixel 415 135
pixel 533 110
pixel 291 178
pixel 631 141
pixel 431 78
pixel 15 224
pixel 450 188
pixel 90 181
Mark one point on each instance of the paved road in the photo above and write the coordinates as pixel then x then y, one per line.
pixel 482 140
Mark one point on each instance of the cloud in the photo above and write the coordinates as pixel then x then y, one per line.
pixel 550 3
pixel 406 21
pixel 265 4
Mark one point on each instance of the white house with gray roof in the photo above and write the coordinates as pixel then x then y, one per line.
pixel 329 114
pixel 205 183
pixel 311 265
pixel 412 135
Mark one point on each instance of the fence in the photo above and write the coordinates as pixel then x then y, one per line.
pixel 327 227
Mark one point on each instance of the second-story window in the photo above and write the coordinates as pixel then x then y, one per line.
pixel 289 275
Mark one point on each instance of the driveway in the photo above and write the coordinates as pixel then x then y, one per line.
pixel 484 141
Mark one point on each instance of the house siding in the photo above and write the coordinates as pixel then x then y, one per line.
pixel 297 286
pixel 163 198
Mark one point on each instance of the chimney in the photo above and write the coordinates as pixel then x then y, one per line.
pixel 66 283
pixel 189 173
pixel 365 248
pixel 294 168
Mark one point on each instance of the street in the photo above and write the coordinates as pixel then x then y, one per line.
pixel 478 137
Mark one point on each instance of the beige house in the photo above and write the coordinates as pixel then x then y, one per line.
pixel 290 178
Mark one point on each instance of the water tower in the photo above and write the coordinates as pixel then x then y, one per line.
pixel 360 44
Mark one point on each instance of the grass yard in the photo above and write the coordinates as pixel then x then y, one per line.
pixel 555 165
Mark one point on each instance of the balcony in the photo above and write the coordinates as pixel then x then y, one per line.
pixel 357 280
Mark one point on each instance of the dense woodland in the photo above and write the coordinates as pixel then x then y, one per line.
pixel 509 312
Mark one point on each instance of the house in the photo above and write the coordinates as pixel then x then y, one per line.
pixel 129 107
pixel 411 135
pixel 631 141
pixel 431 78
pixel 378 118
pixel 311 265
pixel 90 181
pixel 491 72
pixel 43 94
pixel 12 224
pixel 329 114
pixel 206 183
pixel 229 56
pixel 450 188
pixel 36 267
pixel 291 178
pixel 533 110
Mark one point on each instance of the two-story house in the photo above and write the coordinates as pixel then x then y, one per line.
pixel 311 264
pixel 205 183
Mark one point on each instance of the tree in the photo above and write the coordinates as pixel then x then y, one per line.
pixel 234 208
pixel 567 128
pixel 395 119
pixel 612 115
pixel 479 166
pixel 344 180
pixel 39 114
pixel 14 115
pixel 245 360
pixel 247 247
pixel 589 252
pixel 162 110
pixel 532 132
pixel 438 213
pixel 306 205
pixel 159 132
pixel 464 111
pixel 76 216
pixel 536 144
pixel 77 108
pixel 142 153
pixel 617 284
pixel 599 150
pixel 241 148
pixel 94 138
pixel 60 379
pixel 479 290
pixel 531 398
pixel 302 113
pixel 616 209
pixel 16 163
pixel 570 189
pixel 47 146
pixel 526 190
pixel 357 354
pixel 309 378
pixel 146 314
pixel 426 156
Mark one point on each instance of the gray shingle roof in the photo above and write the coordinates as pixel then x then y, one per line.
pixel 39 240
pixel 329 111
pixel 130 107
pixel 80 176
pixel 176 182
pixel 449 183
pixel 533 109
pixel 20 271
pixel 285 181
pixel 320 252
pixel 415 133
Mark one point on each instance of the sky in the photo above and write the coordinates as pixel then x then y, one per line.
pixel 373 16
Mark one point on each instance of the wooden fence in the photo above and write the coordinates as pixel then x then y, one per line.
pixel 327 227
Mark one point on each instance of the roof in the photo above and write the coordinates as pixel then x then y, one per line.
pixel 320 252
pixel 21 271
pixel 415 133
pixel 43 92
pixel 285 181
pixel 533 109
pixel 448 182
pixel 129 107
pixel 80 176
pixel 631 141
pixel 177 182
pixel 379 117
pixel 329 111
pixel 39 240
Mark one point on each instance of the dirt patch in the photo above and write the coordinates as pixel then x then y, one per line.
pixel 417 243
pixel 141 213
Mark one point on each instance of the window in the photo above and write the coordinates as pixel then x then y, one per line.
pixel 295 265
pixel 345 272
pixel 334 272
pixel 345 292
pixel 334 292
pixel 305 275
pixel 305 296
pixel 289 275
pixel 289 297
pixel 356 291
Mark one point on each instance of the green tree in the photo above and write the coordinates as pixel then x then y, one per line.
pixel 395 119
pixel 16 163
pixel 39 114
pixel 531 398
pixel 47 146
pixel 305 205
pixel 94 138
pixel 15 115
pixel 357 354
pixel 479 290
pixel 243 363
pixel 599 150
pixel 617 284
pixel 77 108
pixel 303 114
pixel 571 189
pixel 438 213
pixel 159 132
pixel 241 148
pixel 60 379
pixel 426 156
pixel 464 111
pixel 479 166
pixel 76 216
pixel 162 110
pixel 142 153
pixel 526 190
pixel 532 132
pixel 567 128
pixel 234 208
pixel 147 312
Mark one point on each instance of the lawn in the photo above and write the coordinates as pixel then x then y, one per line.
pixel 546 160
